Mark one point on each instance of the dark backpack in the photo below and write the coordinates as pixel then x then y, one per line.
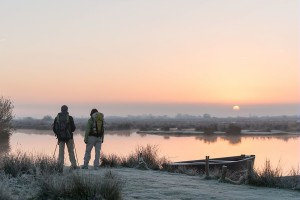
pixel 62 127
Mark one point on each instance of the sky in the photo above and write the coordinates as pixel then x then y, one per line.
pixel 151 57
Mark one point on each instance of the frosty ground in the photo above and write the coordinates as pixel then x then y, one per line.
pixel 149 184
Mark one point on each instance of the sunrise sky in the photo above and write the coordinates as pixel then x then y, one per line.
pixel 151 57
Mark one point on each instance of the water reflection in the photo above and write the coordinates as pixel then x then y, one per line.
pixel 210 138
pixel 233 140
pixel 176 148
pixel 207 139
pixel 236 139
pixel 166 137
pixel 4 143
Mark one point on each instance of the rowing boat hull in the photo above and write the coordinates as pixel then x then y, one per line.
pixel 232 163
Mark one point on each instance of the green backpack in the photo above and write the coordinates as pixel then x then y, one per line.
pixel 98 129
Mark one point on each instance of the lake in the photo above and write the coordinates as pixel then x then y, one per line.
pixel 281 150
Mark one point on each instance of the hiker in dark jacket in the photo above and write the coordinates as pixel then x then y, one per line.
pixel 94 135
pixel 63 128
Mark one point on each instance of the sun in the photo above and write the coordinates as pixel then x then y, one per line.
pixel 236 107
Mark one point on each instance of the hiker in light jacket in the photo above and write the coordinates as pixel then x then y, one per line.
pixel 63 127
pixel 94 135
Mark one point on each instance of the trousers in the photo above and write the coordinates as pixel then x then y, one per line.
pixel 61 153
pixel 93 142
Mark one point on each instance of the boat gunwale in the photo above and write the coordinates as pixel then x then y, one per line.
pixel 215 161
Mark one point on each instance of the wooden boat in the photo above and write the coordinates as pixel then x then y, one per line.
pixel 232 163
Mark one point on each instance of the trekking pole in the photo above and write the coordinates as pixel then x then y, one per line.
pixel 76 155
pixel 55 150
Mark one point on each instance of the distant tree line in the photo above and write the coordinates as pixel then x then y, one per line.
pixel 180 122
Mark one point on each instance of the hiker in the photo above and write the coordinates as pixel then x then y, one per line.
pixel 63 128
pixel 94 135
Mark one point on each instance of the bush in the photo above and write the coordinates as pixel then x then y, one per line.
pixel 267 177
pixel 17 164
pixel 292 181
pixel 47 165
pixel 74 186
pixel 22 163
pixel 129 161
pixel 111 160
pixel 6 108
pixel 150 156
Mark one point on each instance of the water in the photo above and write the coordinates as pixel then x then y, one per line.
pixel 282 151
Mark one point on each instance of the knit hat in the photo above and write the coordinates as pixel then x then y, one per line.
pixel 94 110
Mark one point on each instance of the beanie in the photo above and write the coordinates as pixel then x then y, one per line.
pixel 94 110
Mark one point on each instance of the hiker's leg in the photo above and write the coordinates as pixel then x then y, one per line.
pixel 97 152
pixel 70 145
pixel 61 152
pixel 88 149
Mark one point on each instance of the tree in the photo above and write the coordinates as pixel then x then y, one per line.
pixel 6 115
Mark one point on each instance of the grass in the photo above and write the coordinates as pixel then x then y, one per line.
pixel 111 160
pixel 17 164
pixel 74 186
pixel 4 192
pixel 293 179
pixel 22 163
pixel 267 176
pixel 272 177
pixel 51 184
pixel 47 165
pixel 149 154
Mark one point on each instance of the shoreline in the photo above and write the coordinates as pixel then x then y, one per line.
pixel 219 133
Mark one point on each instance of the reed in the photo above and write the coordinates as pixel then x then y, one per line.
pixel 17 164
pixel 267 176
pixel 47 165
pixel 149 154
pixel 23 163
pixel 75 186
pixel 110 160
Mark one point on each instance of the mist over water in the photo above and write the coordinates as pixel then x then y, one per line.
pixel 125 109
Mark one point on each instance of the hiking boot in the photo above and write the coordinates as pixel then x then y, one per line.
pixel 74 167
pixel 84 167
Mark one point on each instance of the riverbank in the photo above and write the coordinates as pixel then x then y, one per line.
pixel 150 184
pixel 192 132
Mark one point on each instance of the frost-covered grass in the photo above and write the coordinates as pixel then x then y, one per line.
pixel 265 177
pixel 39 175
pixel 4 191
pixel 149 154
pixel 23 163
pixel 269 176
pixel 75 186
pixel 45 175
